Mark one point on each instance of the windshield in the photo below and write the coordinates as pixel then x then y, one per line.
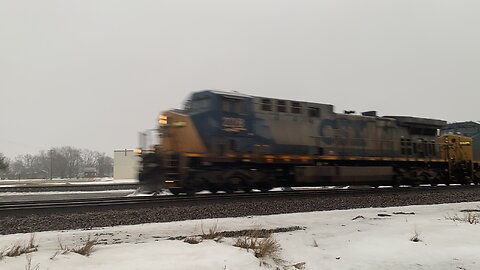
pixel 198 105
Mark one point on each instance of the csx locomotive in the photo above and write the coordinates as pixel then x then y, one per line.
pixel 231 141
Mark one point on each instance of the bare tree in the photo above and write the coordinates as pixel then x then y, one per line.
pixel 4 166
pixel 42 164
pixel 63 162
pixel 66 161
pixel 89 158
pixel 17 168
pixel 104 165
pixel 3 163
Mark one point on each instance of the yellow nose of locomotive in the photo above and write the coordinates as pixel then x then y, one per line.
pixel 179 134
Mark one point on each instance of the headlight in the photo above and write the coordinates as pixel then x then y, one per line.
pixel 163 120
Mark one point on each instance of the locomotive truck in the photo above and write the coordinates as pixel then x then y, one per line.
pixel 231 141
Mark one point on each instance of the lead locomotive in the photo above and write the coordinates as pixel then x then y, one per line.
pixel 229 141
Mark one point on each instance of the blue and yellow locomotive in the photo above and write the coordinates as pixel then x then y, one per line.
pixel 230 141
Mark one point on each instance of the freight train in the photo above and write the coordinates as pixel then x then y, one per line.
pixel 231 141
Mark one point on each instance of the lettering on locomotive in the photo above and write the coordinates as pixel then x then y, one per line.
pixel 232 124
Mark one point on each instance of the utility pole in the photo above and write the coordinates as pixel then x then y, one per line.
pixel 51 163
pixel 142 140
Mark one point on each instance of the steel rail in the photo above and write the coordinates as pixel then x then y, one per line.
pixel 68 187
pixel 72 205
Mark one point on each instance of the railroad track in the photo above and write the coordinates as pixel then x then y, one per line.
pixel 27 217
pixel 71 187
pixel 97 204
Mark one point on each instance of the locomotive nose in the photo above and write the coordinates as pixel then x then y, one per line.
pixel 179 134
pixel 162 168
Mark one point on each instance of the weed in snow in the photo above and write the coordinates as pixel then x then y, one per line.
pixel 261 246
pixel 469 217
pixel 193 240
pixel 213 233
pixel 416 237
pixel 29 266
pixel 19 248
pixel 300 265
pixel 86 249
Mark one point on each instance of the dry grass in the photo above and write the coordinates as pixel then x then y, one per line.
pixel 213 233
pixel 261 245
pixel 31 244
pixel 267 247
pixel 20 248
pixel 246 242
pixel 416 237
pixel 62 249
pixel 300 265
pixel 193 240
pixel 86 249
pixel 29 266
pixel 471 218
pixel 250 239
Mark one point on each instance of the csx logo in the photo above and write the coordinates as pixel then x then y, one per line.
pixel 343 132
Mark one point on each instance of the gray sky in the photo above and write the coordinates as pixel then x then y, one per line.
pixel 91 74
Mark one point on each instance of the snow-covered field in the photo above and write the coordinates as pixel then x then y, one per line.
pixel 344 239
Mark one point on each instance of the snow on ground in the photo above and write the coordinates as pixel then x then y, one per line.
pixel 341 239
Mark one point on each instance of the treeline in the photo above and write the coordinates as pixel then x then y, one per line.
pixel 59 162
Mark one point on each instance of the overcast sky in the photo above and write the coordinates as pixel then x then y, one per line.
pixel 92 74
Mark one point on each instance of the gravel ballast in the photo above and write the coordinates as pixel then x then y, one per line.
pixel 88 219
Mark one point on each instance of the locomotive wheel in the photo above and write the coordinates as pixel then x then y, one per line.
pixel 213 189
pixel 228 189
pixel 175 191
pixel 414 183
pixel 422 179
pixel 264 188
pixel 476 178
pixel 233 183
pixel 247 189
pixel 190 191
pixel 395 182
pixel 434 180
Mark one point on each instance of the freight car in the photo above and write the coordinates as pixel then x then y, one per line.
pixel 231 141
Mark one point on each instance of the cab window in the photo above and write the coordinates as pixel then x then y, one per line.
pixel 200 104
pixel 232 105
